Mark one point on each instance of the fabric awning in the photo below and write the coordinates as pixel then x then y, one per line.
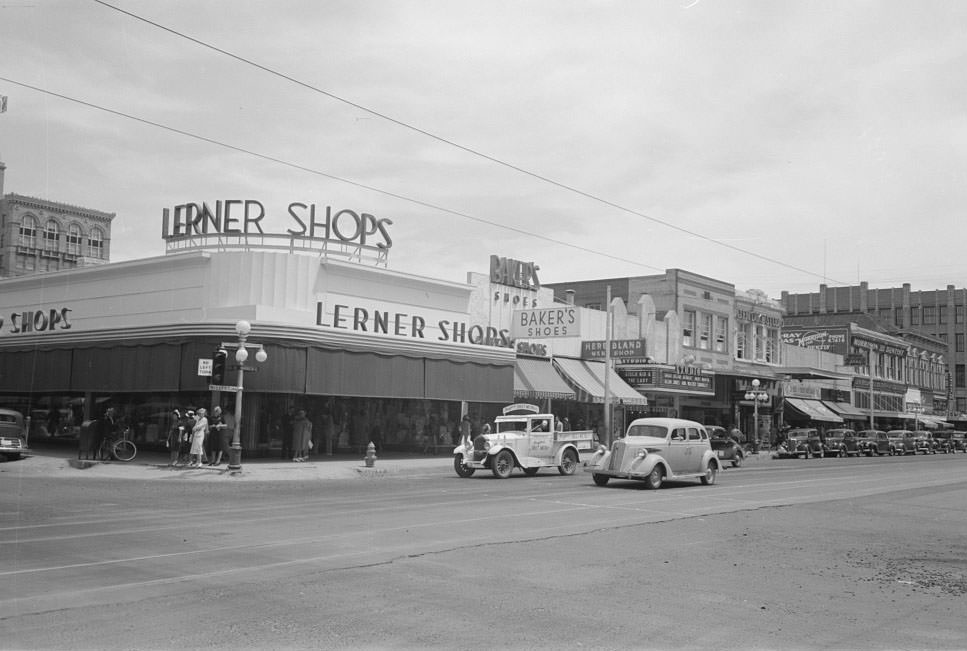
pixel 935 420
pixel 537 379
pixel 813 410
pixel 846 410
pixel 587 377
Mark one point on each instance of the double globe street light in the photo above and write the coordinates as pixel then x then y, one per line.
pixel 242 329
pixel 756 396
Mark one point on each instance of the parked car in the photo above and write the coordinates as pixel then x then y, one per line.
pixel 656 450
pixel 959 441
pixel 12 434
pixel 725 445
pixel 873 441
pixel 840 443
pixel 942 442
pixel 903 441
pixel 801 442
pixel 925 443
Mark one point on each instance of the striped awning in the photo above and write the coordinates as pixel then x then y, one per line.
pixel 587 378
pixel 536 379
pixel 813 410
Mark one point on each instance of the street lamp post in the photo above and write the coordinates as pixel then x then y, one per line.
pixel 242 329
pixel 756 396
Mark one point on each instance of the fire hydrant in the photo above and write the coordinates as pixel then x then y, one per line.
pixel 370 457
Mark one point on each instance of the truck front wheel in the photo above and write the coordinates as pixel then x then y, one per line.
pixel 460 468
pixel 502 464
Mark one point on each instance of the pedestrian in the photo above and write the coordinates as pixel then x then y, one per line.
pixel 198 432
pixel 301 436
pixel 217 428
pixel 328 429
pixel 173 441
pixel 558 425
pixel 184 449
pixel 465 439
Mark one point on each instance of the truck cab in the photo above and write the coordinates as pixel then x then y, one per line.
pixel 523 438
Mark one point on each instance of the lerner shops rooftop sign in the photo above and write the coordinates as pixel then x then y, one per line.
pixel 238 223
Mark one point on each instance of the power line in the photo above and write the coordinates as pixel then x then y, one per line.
pixel 333 177
pixel 469 150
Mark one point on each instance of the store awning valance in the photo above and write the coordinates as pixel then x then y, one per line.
pixel 846 410
pixel 813 410
pixel 587 378
pixel 537 379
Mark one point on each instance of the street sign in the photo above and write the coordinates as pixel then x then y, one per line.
pixel 222 387
pixel 247 369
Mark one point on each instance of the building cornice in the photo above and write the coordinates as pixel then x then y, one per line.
pixel 44 204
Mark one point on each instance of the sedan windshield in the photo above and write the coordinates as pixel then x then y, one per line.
pixel 657 431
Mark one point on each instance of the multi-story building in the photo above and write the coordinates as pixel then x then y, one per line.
pixel 932 323
pixel 37 235
pixel 727 340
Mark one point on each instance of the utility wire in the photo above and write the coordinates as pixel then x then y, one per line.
pixel 310 170
pixel 464 148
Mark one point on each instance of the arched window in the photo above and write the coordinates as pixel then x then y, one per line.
pixel 95 243
pixel 28 231
pixel 51 233
pixel 74 239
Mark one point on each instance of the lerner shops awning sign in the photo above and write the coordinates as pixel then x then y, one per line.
pixel 381 320
pixel 36 321
pixel 545 323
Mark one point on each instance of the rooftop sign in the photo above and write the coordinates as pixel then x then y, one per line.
pixel 238 224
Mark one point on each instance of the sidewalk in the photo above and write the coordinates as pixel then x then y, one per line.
pixel 60 460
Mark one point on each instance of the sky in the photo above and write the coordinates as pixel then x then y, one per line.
pixel 774 145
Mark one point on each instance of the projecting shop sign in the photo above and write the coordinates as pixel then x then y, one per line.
pixel 546 322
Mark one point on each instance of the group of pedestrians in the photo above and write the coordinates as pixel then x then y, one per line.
pixel 196 440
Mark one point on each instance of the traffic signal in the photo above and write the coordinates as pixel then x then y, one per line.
pixel 218 366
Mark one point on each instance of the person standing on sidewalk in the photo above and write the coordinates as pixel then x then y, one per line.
pixel 198 432
pixel 173 442
pixel 217 429
pixel 301 436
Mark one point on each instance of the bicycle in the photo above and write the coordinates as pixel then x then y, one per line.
pixel 117 447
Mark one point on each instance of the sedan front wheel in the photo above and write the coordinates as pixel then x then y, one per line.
pixel 655 478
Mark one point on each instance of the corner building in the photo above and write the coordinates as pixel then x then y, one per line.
pixel 371 354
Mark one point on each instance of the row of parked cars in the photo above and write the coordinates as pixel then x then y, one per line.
pixel 808 442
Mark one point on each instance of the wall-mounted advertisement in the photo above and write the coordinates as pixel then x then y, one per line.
pixel 830 340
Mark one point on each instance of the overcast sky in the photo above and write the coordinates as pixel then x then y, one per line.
pixel 771 144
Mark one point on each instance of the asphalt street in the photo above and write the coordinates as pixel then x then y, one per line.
pixel 830 553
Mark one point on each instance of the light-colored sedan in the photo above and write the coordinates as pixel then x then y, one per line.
pixel 656 450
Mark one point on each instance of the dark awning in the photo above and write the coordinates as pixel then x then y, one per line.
pixel 537 379
pixel 813 410
pixel 847 410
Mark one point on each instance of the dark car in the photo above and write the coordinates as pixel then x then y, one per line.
pixel 801 442
pixel 840 443
pixel 925 442
pixel 942 442
pixel 903 441
pixel 725 445
pixel 958 441
pixel 873 441
pixel 12 435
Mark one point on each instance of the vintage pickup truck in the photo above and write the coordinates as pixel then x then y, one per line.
pixel 524 438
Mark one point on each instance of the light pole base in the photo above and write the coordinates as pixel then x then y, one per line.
pixel 235 458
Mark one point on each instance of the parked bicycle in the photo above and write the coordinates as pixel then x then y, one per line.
pixel 118 447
